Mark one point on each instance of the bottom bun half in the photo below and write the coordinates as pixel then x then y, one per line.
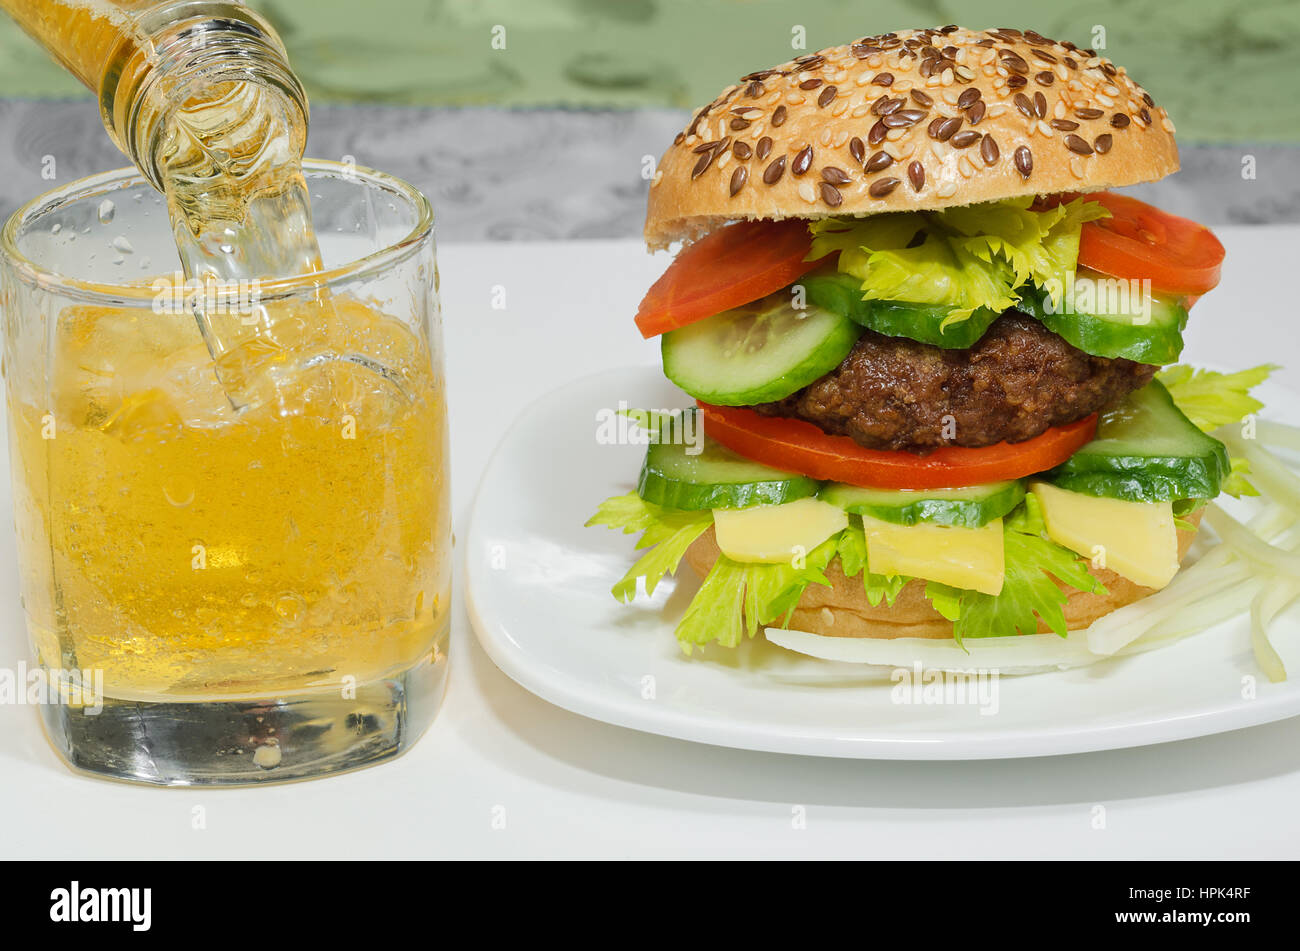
pixel 842 610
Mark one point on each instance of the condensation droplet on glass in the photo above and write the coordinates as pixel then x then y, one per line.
pixel 56 229
pixel 106 211
pixel 123 245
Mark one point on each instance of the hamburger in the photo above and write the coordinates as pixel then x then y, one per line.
pixel 931 349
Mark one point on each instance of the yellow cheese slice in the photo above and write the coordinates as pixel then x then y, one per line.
pixel 776 534
pixel 1135 539
pixel 969 558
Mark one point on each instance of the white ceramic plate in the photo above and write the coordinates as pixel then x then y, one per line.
pixel 538 593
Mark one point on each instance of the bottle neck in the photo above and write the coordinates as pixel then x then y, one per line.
pixel 219 64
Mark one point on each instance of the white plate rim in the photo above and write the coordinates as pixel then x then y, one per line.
pixel 571 693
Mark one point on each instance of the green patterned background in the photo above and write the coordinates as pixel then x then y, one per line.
pixel 678 53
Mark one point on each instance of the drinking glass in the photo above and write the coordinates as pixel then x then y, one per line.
pixel 220 592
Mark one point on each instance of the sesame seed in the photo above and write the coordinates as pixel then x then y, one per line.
pixel 1076 167
pixel 807 192
pixel 947 189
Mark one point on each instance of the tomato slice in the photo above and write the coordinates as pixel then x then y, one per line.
pixel 799 446
pixel 1139 241
pixel 729 267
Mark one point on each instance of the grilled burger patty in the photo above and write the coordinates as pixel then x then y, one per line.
pixel 1017 381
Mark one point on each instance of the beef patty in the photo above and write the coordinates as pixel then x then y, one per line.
pixel 1018 380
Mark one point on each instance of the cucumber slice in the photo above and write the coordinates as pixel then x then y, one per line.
pixel 1146 450
pixel 970 507
pixel 842 293
pixel 715 478
pixel 761 352
pixel 1105 332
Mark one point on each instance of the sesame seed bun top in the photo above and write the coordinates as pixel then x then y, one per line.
pixel 907 121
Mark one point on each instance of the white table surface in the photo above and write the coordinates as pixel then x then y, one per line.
pixel 568 786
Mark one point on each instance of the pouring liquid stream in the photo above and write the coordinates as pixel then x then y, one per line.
pixel 223 142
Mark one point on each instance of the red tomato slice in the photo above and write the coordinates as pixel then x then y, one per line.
pixel 798 446
pixel 729 267
pixel 1139 241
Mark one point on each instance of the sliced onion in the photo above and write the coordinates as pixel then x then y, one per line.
pixel 1019 653
pixel 1205 613
pixel 1206 578
pixel 1281 435
pixel 1266 557
pixel 1267 471
pixel 1270 602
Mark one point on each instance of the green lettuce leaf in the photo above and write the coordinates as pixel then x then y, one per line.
pixel 854 235
pixel 1041 247
pixel 1028 591
pixel 852 549
pixel 945 599
pixel 667 532
pixel 941 270
pixel 737 598
pixel 1211 399
pixel 967 258
pixel 1185 507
